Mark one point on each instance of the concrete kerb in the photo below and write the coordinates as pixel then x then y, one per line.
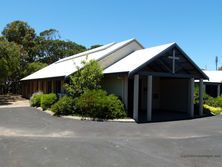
pixel 126 120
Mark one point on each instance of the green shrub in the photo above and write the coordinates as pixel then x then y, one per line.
pixel 115 107
pixel 35 100
pixel 219 101
pixel 47 100
pixel 97 104
pixel 214 102
pixel 65 106
pixel 211 101
pixel 212 110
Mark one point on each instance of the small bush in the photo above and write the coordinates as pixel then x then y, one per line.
pixel 219 101
pixel 115 107
pixel 210 101
pixel 35 100
pixel 206 99
pixel 212 110
pixel 65 106
pixel 97 104
pixel 47 100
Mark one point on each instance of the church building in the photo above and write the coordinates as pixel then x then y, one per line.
pixel 148 80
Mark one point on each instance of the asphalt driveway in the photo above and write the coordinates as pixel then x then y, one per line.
pixel 30 138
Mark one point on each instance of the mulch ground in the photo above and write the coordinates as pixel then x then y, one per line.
pixel 10 99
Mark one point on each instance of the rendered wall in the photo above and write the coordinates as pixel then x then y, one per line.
pixel 117 85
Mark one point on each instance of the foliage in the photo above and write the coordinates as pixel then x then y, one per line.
pixel 97 104
pixel 65 106
pixel 9 59
pixel 95 46
pixel 19 32
pixel 50 34
pixel 49 50
pixel 84 79
pixel 219 101
pixel 22 34
pixel 211 101
pixel 206 99
pixel 47 100
pixel 212 110
pixel 33 67
pixel 35 100
pixel 211 105
pixel 115 107
pixel 9 64
pixel 21 42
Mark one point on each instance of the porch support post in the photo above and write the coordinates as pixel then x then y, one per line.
pixel 126 92
pixel 191 97
pixel 136 98
pixel 62 86
pixel 149 97
pixel 218 90
pixel 201 93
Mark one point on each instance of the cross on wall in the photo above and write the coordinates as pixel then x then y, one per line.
pixel 174 58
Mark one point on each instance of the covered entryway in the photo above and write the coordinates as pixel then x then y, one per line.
pixel 163 88
pixel 170 98
pixel 161 98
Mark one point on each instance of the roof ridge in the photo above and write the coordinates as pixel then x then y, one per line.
pixel 87 52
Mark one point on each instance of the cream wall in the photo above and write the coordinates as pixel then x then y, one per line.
pixel 117 85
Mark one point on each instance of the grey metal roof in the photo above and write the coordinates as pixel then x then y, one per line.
pixel 127 56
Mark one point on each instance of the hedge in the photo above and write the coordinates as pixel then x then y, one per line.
pixel 98 104
pixel 47 100
pixel 212 110
pixel 65 106
pixel 35 100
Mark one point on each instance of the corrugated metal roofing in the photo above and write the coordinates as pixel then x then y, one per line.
pixel 136 59
pixel 129 63
pixel 67 66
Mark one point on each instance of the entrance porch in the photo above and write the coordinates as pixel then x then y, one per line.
pixel 167 97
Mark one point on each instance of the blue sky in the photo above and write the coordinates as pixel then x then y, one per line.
pixel 196 25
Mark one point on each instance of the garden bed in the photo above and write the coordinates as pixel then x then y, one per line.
pixel 75 117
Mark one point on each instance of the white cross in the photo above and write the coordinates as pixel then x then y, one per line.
pixel 173 58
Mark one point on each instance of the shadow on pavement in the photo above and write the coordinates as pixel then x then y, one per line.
pixel 9 99
pixel 166 116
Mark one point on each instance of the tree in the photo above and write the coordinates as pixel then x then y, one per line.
pixel 9 63
pixel 50 51
pixel 50 48
pixel 33 67
pixel 86 78
pixel 22 34
pixel 47 47
pixel 50 34
pixel 95 46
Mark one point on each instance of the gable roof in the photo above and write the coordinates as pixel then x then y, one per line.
pixel 214 76
pixel 126 56
pixel 66 66
pixel 138 59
